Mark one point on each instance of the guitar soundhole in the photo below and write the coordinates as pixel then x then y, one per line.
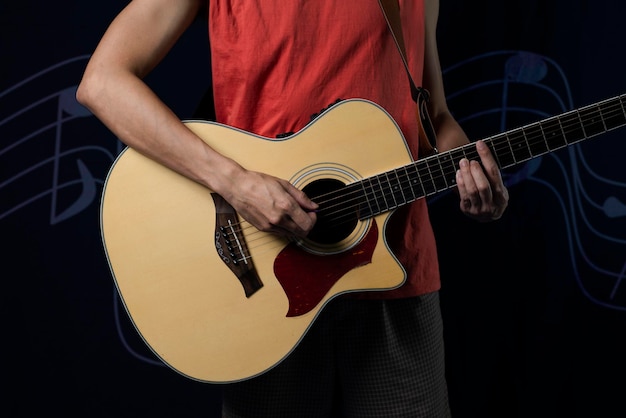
pixel 337 216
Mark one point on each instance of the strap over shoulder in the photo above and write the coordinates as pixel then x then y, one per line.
pixel 427 145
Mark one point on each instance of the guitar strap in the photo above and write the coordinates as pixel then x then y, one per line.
pixel 427 145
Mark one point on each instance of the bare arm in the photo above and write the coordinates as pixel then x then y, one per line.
pixel 482 193
pixel 112 88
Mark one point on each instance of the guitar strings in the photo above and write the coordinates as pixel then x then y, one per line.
pixel 265 240
pixel 339 208
pixel 534 136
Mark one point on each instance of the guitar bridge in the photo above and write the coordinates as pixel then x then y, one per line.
pixel 231 246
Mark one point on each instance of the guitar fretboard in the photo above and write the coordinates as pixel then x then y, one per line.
pixel 430 175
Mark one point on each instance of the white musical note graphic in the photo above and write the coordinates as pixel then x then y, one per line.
pixel 37 163
pixel 592 206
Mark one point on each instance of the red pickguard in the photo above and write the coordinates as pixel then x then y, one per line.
pixel 307 278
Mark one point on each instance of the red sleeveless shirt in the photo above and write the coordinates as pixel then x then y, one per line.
pixel 277 62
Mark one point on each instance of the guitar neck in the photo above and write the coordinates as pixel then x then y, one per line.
pixel 433 174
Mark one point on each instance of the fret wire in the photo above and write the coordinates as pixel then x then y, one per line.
pixel 601 117
pixel 535 139
pixel 367 200
pixel 574 126
pixel 594 121
pixel 495 144
pixel 501 149
pixel 616 117
pixel 382 192
pixel 429 187
pixel 376 208
pixel 508 140
pixel 551 127
pixel 513 156
pixel 420 183
pixel 439 177
pixel 563 130
pixel 409 184
pixel 582 126
pixel 399 193
pixel 520 150
pixel 444 181
pixel 543 136
pixel 389 191
pixel 449 169
pixel 430 173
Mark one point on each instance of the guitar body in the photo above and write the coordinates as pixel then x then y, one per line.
pixel 161 236
pixel 218 300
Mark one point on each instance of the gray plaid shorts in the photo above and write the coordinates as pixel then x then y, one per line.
pixel 360 358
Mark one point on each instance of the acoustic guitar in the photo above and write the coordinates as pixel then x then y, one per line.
pixel 219 301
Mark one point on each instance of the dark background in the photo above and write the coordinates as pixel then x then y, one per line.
pixel 534 304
